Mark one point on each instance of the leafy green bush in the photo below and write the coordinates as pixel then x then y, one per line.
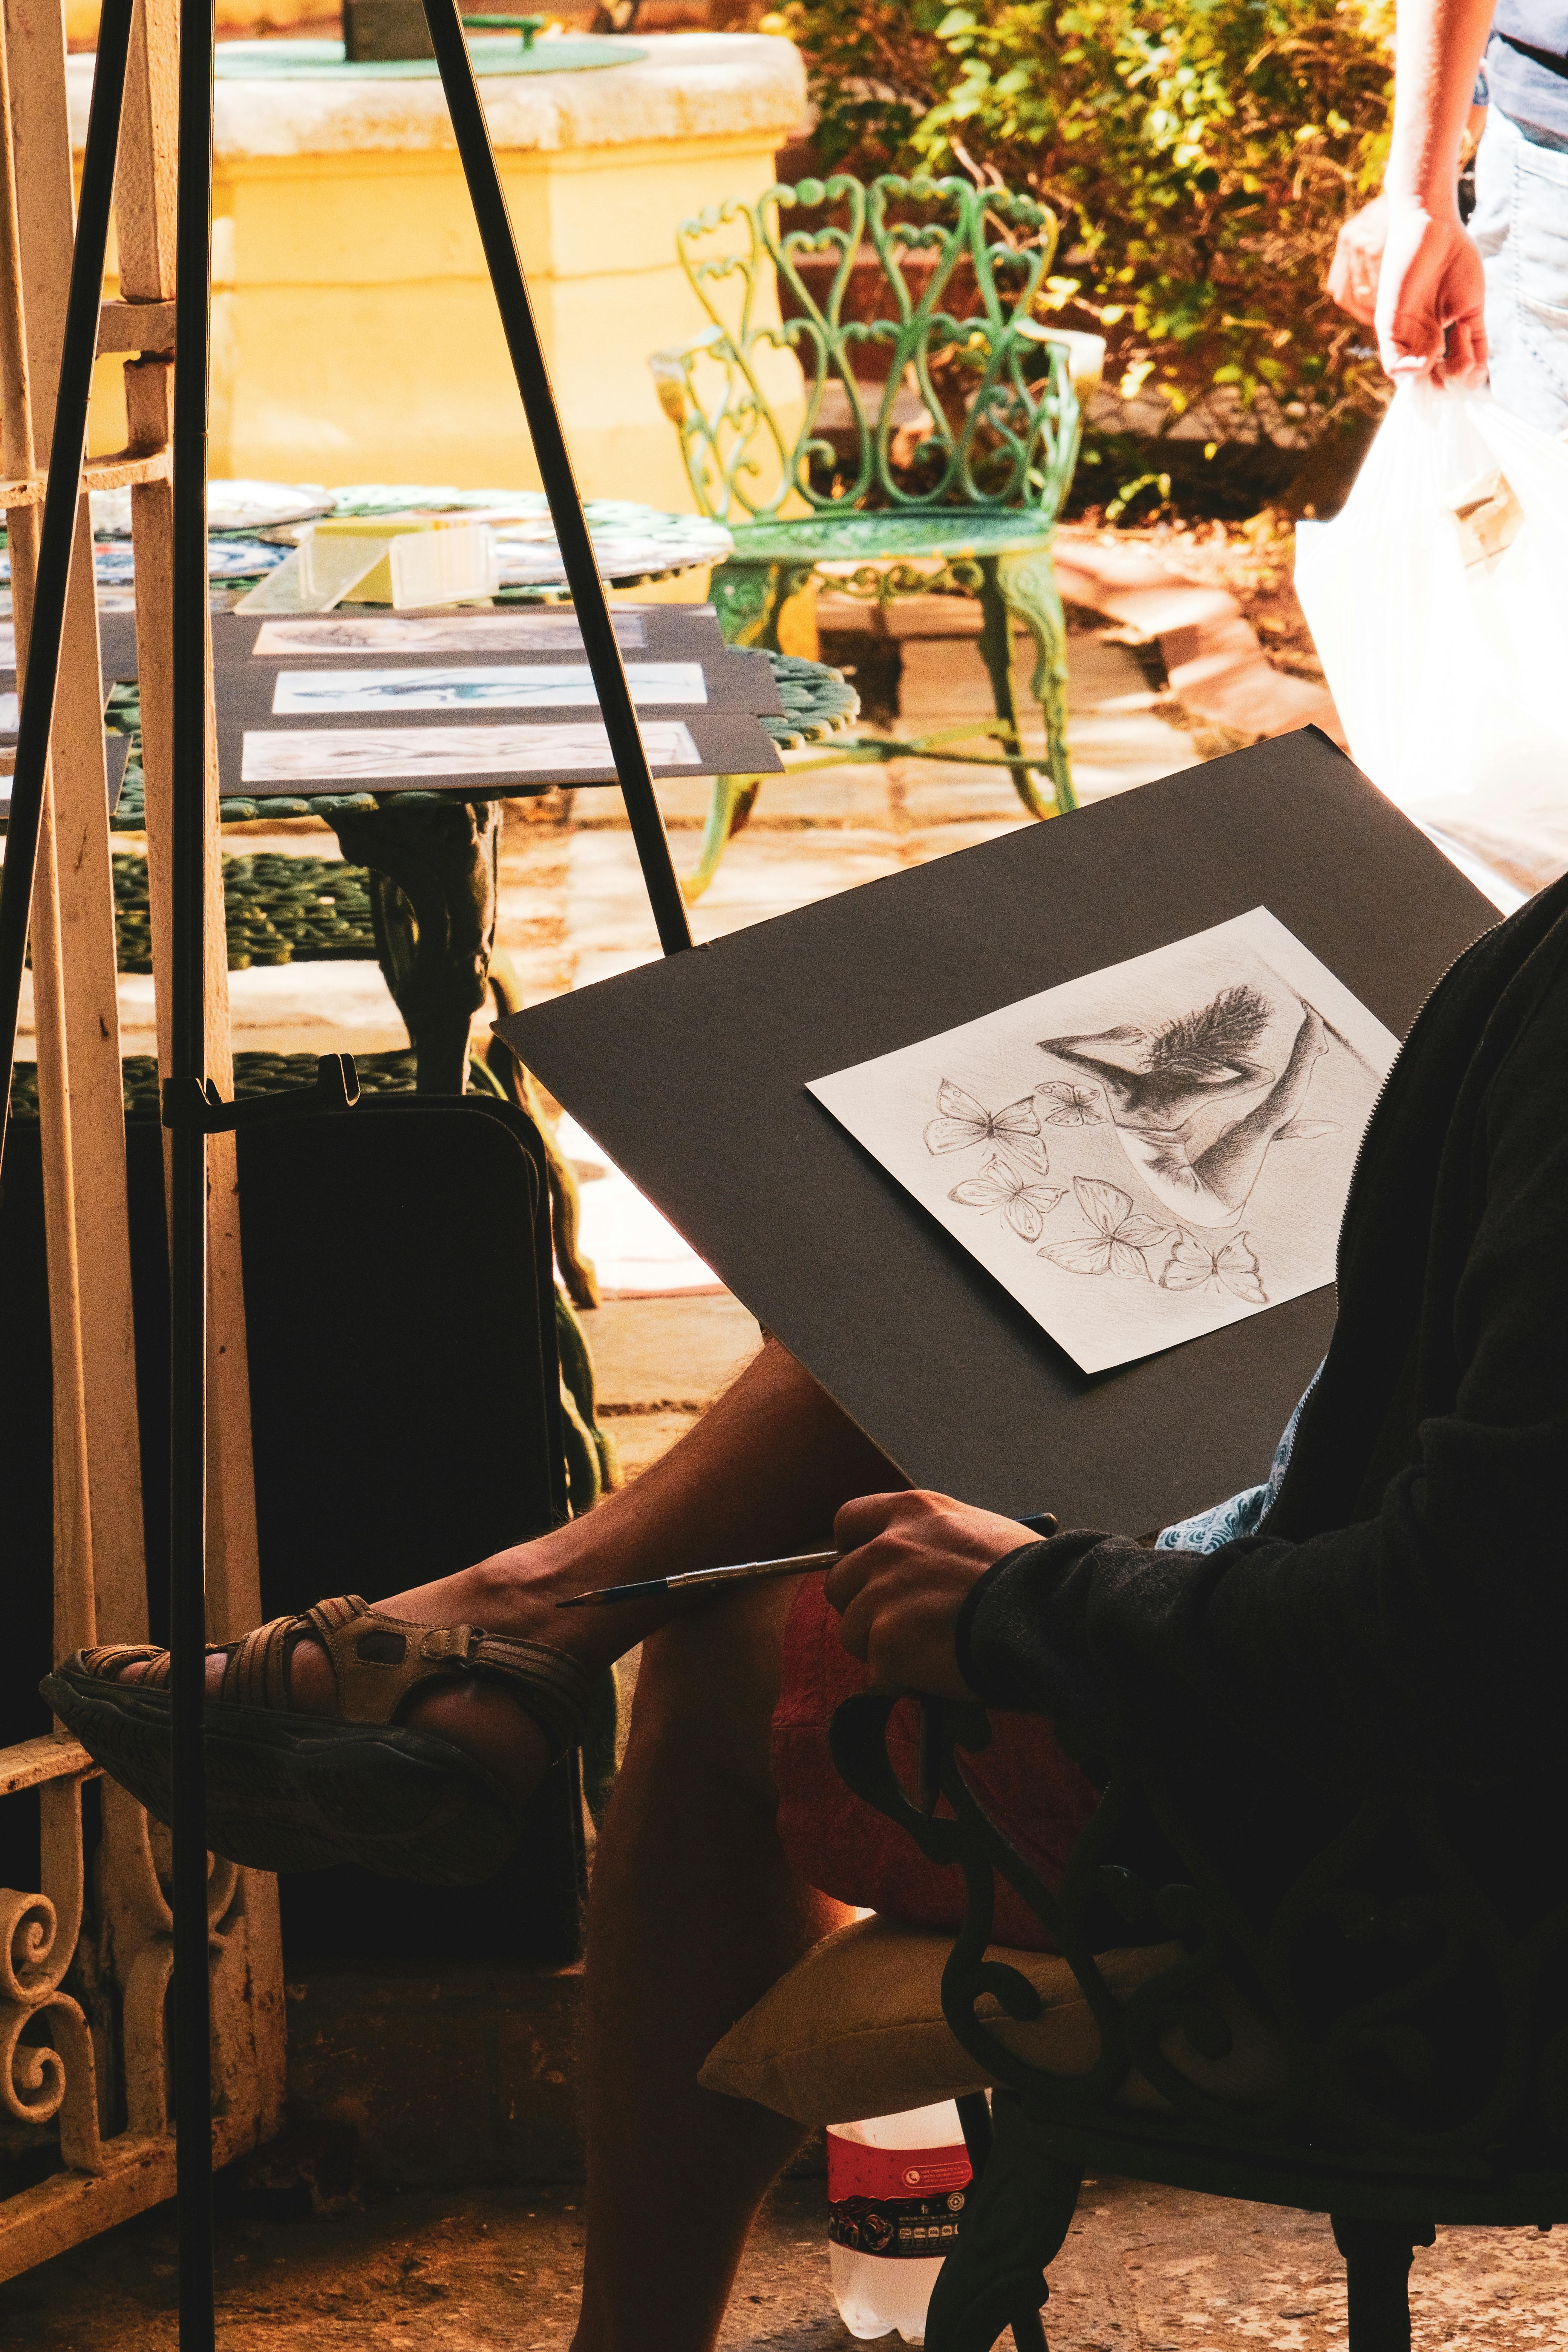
pixel 1200 154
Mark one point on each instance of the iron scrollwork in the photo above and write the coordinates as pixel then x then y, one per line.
pixel 994 389
pixel 1396 2001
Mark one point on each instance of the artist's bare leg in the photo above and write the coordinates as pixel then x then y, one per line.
pixel 764 1471
pixel 695 1912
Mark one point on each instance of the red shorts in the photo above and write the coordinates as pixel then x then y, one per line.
pixel 1027 1783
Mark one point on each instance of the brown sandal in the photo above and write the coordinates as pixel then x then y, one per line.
pixel 291 1791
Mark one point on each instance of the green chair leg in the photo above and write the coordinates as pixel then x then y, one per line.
pixel 1027 584
pixel 735 797
pixel 748 599
pixel 996 652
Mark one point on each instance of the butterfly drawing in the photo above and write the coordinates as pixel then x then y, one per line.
pixel 961 1121
pixel 1025 1207
pixel 1062 1104
pixel 1232 1267
pixel 1119 1238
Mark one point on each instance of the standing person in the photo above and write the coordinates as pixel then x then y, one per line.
pixel 1447 301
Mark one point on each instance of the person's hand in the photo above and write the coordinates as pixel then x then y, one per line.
pixel 1358 258
pixel 909 1562
pixel 1431 298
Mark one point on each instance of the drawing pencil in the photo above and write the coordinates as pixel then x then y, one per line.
pixel 799 1563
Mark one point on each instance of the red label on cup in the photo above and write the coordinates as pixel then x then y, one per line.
pixel 854 2170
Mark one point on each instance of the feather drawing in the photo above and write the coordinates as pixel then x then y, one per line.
pixel 1025 1207
pixel 1120 1239
pixel 1062 1104
pixel 1210 1044
pixel 1232 1266
pixel 961 1123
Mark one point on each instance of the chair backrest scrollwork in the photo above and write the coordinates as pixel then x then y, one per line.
pixel 911 306
pixel 1398 1999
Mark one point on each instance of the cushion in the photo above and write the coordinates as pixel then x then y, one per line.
pixel 855 2028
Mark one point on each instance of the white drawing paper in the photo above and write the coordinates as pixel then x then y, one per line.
pixel 467 632
pixel 1146 1153
pixel 538 686
pixel 10 712
pixel 402 754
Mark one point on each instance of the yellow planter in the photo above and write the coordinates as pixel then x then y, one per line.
pixel 355 337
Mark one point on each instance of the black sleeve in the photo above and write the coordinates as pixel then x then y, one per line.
pixel 1437 1625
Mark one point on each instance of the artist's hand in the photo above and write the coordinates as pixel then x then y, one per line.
pixel 909 1562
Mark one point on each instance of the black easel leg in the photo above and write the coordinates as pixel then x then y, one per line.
pixel 494 223
pixel 66 448
pixel 1377 2280
pixel 188 1190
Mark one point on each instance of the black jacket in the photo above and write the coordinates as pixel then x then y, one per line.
pixel 1405 1603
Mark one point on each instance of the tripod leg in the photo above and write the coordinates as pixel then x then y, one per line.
pixel 1377 2280
pixel 493 221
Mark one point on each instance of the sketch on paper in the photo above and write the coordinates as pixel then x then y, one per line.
pixel 1157 1080
pixel 1025 1207
pixel 360 755
pixel 1232 1267
pixel 961 1122
pixel 1197 1111
pixel 1118 1239
pixel 1067 1105
pixel 460 633
pixel 539 685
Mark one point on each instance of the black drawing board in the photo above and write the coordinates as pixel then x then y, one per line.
pixel 651 631
pixel 727 744
pixel 692 1074
pixel 245 691
pixel 648 632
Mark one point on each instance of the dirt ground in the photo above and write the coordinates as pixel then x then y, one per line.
pixel 1142 2271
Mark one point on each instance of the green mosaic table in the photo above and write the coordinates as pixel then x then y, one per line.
pixel 422 898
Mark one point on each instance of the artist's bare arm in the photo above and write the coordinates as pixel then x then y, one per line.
pixel 909 1562
pixel 1406 263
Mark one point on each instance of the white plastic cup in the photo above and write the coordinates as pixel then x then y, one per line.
pixel 897 2188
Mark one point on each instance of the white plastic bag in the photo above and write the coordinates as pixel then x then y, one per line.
pixel 1451 675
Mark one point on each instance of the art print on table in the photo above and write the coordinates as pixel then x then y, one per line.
pixel 402 755
pixel 463 632
pixel 1146 1153
pixel 307 693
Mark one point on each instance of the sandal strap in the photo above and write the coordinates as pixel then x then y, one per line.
pixel 107 1660
pixel 379 1663
pixel 547 1684
pixel 255 1672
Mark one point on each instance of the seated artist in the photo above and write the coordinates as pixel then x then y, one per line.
pixel 1404 1596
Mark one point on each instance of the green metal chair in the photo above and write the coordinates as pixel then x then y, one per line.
pixel 939 434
